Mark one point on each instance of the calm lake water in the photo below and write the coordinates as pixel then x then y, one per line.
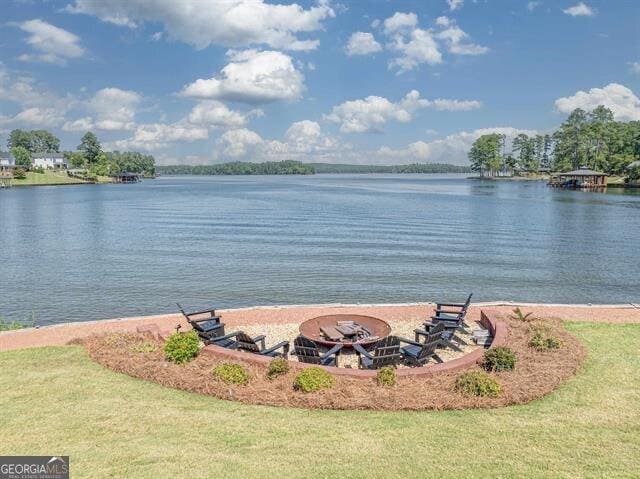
pixel 90 252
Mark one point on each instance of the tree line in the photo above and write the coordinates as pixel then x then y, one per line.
pixel 288 167
pixel 410 168
pixel 592 139
pixel 89 155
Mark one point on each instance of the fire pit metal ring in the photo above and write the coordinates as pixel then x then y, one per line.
pixel 373 328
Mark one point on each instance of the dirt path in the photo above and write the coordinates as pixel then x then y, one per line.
pixel 63 333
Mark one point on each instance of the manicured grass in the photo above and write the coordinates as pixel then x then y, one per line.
pixel 47 178
pixel 56 401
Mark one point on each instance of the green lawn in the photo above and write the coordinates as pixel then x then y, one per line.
pixel 47 178
pixel 56 401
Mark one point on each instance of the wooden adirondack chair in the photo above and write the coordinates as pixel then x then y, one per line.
pixel 205 323
pixel 417 354
pixel 385 352
pixel 444 336
pixel 452 316
pixel 257 345
pixel 309 352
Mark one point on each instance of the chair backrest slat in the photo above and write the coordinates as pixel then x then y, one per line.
pixel 386 352
pixel 306 350
pixel 246 343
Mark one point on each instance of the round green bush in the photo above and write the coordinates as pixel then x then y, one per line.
pixel 181 348
pixel 542 342
pixel 498 359
pixel 386 376
pixel 231 373
pixel 477 383
pixel 277 367
pixel 313 379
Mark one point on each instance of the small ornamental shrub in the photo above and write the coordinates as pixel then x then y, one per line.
pixel 19 174
pixel 518 315
pixel 477 383
pixel 499 359
pixel 231 373
pixel 386 376
pixel 181 348
pixel 277 367
pixel 145 347
pixel 313 379
pixel 541 341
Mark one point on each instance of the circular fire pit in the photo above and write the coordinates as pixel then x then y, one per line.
pixel 346 329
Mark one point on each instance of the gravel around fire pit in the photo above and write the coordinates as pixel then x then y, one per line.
pixel 348 358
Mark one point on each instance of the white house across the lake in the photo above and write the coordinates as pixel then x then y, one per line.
pixel 49 160
pixel 7 159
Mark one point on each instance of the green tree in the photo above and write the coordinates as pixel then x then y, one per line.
pixel 19 138
pixel 22 156
pixel 485 154
pixel 525 147
pixel 75 158
pixel 90 147
pixel 43 141
pixel 571 141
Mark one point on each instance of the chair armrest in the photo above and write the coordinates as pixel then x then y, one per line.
pixel 448 311
pixel 360 350
pixel 334 350
pixel 260 339
pixel 459 305
pixel 420 332
pixel 408 341
pixel 283 344
pixel 444 320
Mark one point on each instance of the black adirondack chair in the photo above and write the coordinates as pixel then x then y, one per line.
pixel 438 330
pixel 227 341
pixel 385 352
pixel 257 345
pixel 205 323
pixel 417 354
pixel 309 352
pixel 452 316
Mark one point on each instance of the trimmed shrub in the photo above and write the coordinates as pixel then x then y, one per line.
pixel 181 348
pixel 386 376
pixel 313 379
pixel 477 383
pixel 277 367
pixel 19 174
pixel 145 347
pixel 542 341
pixel 231 373
pixel 499 359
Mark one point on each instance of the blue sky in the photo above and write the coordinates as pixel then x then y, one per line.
pixel 201 81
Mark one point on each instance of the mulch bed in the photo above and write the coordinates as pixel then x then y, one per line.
pixel 535 375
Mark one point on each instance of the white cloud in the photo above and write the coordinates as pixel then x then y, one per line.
pixel 635 67
pixel 215 114
pixel 531 6
pixel 624 104
pixel 400 21
pixel 81 124
pixel 52 44
pixel 306 136
pixel 361 43
pixel 157 136
pixel 455 4
pixel 252 77
pixel 372 113
pixel 416 46
pixel 114 108
pixel 455 38
pixel 38 116
pixel 451 149
pixel 580 10
pixel 237 143
pixel 234 23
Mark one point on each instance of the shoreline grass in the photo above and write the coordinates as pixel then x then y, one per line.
pixel 57 401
